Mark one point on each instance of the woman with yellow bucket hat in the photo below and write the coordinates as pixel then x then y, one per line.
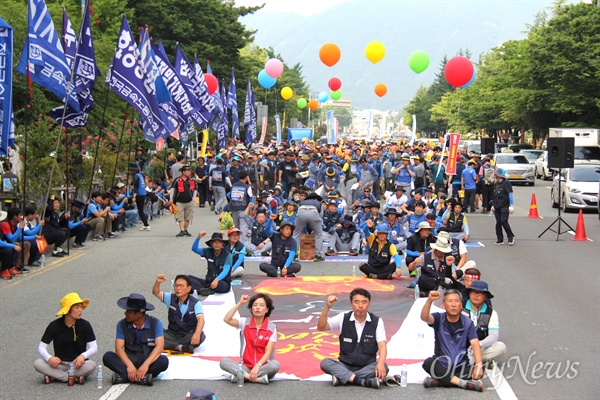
pixel 74 342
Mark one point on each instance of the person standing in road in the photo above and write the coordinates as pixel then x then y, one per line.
pixel 502 206
pixel 139 195
pixel 241 196
pixel 469 179
pixel 183 195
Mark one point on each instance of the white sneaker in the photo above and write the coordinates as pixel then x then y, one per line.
pixel 145 228
pixel 264 380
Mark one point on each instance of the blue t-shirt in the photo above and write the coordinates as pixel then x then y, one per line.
pixel 158 330
pixel 469 176
pixel 182 307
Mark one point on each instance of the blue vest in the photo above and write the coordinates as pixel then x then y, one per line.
pixel 239 197
pixel 189 321
pixel 140 190
pixel 139 351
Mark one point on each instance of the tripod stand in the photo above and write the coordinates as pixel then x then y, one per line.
pixel 558 219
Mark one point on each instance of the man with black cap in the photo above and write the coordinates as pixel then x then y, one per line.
pixel 397 199
pixel 138 346
pixel 345 238
pixel 240 196
pixel 269 170
pixel 485 319
pixel 219 260
pixel 139 193
pixel 183 192
pixel 283 252
pixel 76 223
pixel 502 206
pixel 287 172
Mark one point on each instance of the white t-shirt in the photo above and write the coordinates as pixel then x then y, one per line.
pixel 335 323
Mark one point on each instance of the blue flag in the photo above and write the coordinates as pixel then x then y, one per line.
pixel 223 130
pixel 69 39
pixel 232 105
pixel 43 57
pixel 250 116
pixel 197 86
pixel 188 130
pixel 126 76
pixel 154 79
pixel 219 109
pixel 6 62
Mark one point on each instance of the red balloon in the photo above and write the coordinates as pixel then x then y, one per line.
pixel 211 82
pixel 459 71
pixel 335 84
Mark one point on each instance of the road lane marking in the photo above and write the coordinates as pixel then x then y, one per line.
pixel 116 390
pixel 501 385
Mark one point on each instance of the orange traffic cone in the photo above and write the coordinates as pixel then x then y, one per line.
pixel 533 213
pixel 580 229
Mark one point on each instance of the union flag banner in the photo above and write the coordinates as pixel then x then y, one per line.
pixel 454 140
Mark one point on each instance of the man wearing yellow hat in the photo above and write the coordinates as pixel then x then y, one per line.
pixel 74 342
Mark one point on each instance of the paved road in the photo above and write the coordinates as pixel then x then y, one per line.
pixel 547 296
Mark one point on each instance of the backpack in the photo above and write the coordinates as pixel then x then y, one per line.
pixel 488 175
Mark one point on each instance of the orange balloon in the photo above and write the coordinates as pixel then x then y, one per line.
pixel 330 54
pixel 380 89
pixel 313 104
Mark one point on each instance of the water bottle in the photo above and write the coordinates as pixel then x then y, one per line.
pixel 279 272
pixel 43 261
pixel 417 291
pixel 354 271
pixel 240 375
pixel 404 376
pixel 100 376
pixel 195 294
pixel 71 375
pixel 172 285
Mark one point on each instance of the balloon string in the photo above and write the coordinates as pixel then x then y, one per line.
pixel 450 111
pixel 458 111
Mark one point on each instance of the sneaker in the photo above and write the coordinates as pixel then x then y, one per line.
pixel 292 275
pixel 499 242
pixel 335 381
pixel 59 249
pixel 187 348
pixel 57 253
pixel 353 252
pixel 98 238
pixel 36 263
pixel 373 276
pixel 146 380
pixel 372 383
pixel 146 228
pixel 429 382
pixel 5 275
pixel 14 271
pixel 64 253
pixel 117 379
pixel 264 380
pixel 319 257
pixel 476 386
pixel 24 270
pixel 116 233
pixel 111 235
pixel 233 379
pixel 180 234
pixel 187 234
pixel 212 207
pixel 330 252
pixel 511 241
pixel 77 246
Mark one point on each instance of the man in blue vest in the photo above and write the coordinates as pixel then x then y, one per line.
pixel 137 357
pixel 362 337
pixel 241 196
pixel 219 260
pixel 454 334
pixel 139 193
pixel 186 318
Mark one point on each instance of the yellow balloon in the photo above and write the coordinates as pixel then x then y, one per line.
pixel 287 93
pixel 375 51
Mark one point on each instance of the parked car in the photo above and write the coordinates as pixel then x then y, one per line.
pixel 531 154
pixel 579 188
pixel 517 167
pixel 541 167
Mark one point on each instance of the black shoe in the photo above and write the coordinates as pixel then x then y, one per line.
pixel 146 380
pixel 429 382
pixel 330 252
pixel 511 241
pixel 335 381
pixel 187 348
pixel 353 252
pixel 499 242
pixel 372 383
pixel 206 292
pixel 476 386
pixel 118 379
pixel 65 253
pixel 180 234
pixel 24 270
pixel 187 234
pixel 318 258
pixel 57 254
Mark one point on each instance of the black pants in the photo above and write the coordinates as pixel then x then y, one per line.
pixel 8 258
pixel 469 200
pixel 114 363
pixel 139 202
pixel 203 193
pixel 199 284
pixel 487 192
pixel 382 272
pixel 271 270
pixel 80 232
pixel 502 222
pixel 56 237
pixel 438 371
pixel 175 338
pixel 34 252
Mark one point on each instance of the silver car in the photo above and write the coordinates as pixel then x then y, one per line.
pixel 541 167
pixel 517 167
pixel 579 188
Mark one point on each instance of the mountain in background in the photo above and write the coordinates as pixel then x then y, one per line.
pixel 437 27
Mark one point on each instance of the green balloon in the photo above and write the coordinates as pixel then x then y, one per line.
pixel 335 95
pixel 301 103
pixel 418 61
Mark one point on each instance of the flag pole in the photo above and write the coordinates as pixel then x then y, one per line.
pixel 101 127
pixel 112 183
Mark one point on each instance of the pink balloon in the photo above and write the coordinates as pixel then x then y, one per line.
pixel 459 71
pixel 211 82
pixel 274 68
pixel 335 84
